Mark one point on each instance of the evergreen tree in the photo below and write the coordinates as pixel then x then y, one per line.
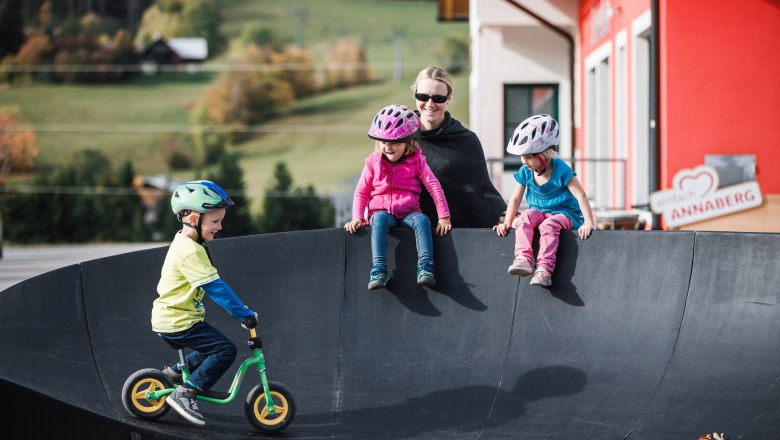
pixel 166 224
pixel 11 27
pixel 288 209
pixel 230 176
pixel 126 210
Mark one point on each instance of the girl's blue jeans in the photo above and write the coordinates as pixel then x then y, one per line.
pixel 212 353
pixel 382 221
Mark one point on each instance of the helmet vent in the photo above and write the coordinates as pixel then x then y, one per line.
pixel 533 133
pixel 525 139
pixel 544 125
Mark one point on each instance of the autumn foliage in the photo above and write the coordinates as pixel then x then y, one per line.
pixel 18 143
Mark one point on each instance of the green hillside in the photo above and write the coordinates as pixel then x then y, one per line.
pixel 322 139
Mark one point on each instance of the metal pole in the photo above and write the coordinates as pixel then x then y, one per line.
pixel 398 73
pixel 301 14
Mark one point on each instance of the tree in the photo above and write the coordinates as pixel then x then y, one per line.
pixel 11 27
pixel 125 209
pixel 18 143
pixel 454 54
pixel 96 205
pixel 202 18
pixel 230 176
pixel 288 209
pixel 345 65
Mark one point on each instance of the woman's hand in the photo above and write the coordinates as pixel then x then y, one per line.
pixel 354 225
pixel 502 229
pixel 585 230
pixel 443 226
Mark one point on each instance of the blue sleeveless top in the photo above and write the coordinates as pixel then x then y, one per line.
pixel 553 197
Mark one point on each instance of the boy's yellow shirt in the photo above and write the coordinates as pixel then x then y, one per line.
pixel 180 303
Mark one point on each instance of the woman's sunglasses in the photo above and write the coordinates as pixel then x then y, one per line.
pixel 438 99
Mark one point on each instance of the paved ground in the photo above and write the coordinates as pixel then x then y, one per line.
pixel 22 262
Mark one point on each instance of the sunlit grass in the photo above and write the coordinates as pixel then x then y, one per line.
pixel 322 158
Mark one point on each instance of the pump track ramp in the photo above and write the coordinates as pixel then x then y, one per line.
pixel 643 335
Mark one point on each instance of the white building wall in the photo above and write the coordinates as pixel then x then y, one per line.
pixel 510 47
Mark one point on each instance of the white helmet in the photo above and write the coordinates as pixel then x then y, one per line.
pixel 534 135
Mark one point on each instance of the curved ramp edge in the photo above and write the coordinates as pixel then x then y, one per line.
pixel 644 334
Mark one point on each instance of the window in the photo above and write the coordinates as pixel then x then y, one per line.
pixel 598 127
pixel 524 100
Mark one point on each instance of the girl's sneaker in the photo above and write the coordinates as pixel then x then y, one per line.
pixel 425 275
pixel 378 279
pixel 541 278
pixel 520 267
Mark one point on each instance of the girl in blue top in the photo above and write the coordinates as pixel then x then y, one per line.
pixel 555 199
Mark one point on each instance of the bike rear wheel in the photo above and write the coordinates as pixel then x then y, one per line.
pixel 256 409
pixel 134 394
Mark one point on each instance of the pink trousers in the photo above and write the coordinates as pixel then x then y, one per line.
pixel 549 225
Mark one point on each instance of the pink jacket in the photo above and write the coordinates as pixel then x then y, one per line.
pixel 395 187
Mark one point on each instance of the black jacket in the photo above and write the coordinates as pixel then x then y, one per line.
pixel 455 155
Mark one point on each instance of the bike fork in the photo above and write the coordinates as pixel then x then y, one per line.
pixel 269 402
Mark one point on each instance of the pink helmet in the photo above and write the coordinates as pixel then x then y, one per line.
pixel 394 123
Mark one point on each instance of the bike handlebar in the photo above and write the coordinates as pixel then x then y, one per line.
pixel 249 323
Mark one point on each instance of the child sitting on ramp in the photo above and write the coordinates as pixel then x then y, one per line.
pixel 555 199
pixel 388 193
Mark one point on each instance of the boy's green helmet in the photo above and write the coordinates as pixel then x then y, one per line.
pixel 200 196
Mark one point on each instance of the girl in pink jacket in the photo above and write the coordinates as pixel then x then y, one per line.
pixel 388 193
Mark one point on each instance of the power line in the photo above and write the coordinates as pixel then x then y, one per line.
pixel 125 191
pixel 209 67
pixel 183 128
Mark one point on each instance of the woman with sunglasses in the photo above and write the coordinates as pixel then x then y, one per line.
pixel 455 155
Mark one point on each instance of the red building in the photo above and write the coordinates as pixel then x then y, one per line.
pixel 658 88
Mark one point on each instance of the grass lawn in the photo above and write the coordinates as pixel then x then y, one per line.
pixel 322 139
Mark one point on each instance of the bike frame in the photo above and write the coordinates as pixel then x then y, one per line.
pixel 257 359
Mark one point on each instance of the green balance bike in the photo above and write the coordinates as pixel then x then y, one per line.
pixel 270 406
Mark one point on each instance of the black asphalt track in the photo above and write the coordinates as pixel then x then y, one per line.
pixel 643 335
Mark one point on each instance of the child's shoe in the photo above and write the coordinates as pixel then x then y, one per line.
pixel 520 267
pixel 183 401
pixel 425 275
pixel 541 278
pixel 172 375
pixel 379 278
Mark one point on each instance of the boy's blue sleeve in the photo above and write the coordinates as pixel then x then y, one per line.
pixel 223 295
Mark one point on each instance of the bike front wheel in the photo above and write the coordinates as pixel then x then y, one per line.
pixel 257 412
pixel 134 394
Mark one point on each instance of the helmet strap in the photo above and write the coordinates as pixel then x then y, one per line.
pixel 541 158
pixel 198 228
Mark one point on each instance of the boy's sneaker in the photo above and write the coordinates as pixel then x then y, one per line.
pixel 378 279
pixel 425 276
pixel 183 401
pixel 520 267
pixel 172 375
pixel 541 278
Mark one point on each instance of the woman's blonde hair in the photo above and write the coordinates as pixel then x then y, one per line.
pixel 411 147
pixel 433 72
